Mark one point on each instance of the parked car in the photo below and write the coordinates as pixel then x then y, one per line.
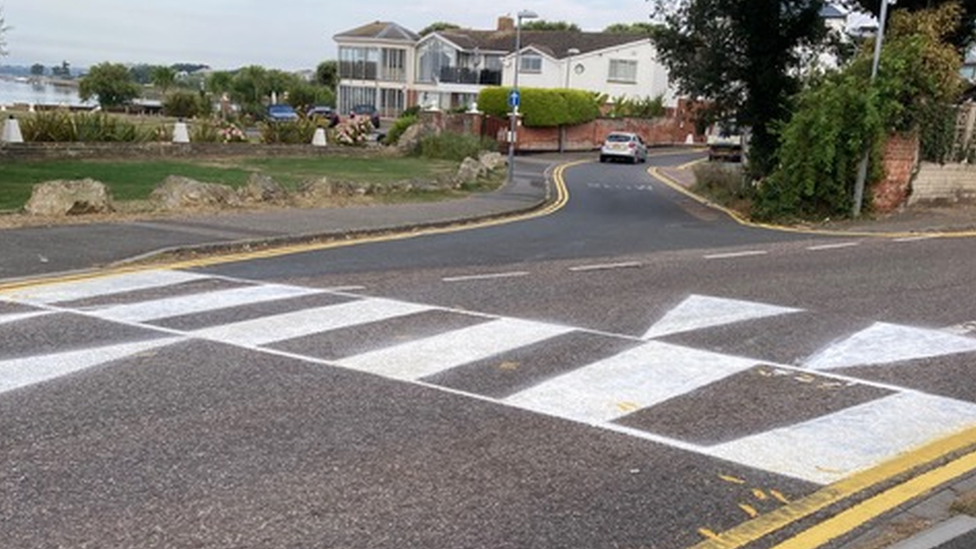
pixel 624 145
pixel 324 112
pixel 367 110
pixel 281 113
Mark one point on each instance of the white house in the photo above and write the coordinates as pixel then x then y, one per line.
pixel 393 68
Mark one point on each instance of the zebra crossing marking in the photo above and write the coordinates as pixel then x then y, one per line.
pixel 271 329
pixel 645 375
pixel 428 356
pixel 21 372
pixel 96 287
pixel 855 438
pixel 599 393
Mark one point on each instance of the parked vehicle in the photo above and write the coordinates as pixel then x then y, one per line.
pixel 724 143
pixel 324 112
pixel 281 113
pixel 624 146
pixel 367 110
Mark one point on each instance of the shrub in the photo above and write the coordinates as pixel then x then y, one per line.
pixel 399 126
pixel 217 131
pixel 725 184
pixel 182 104
pixel 542 108
pixel 648 107
pixel 62 126
pixel 452 146
pixel 292 132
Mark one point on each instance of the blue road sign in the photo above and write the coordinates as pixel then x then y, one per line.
pixel 514 98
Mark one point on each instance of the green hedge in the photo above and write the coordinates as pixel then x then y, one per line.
pixel 543 108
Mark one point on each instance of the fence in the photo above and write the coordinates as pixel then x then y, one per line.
pixel 964 144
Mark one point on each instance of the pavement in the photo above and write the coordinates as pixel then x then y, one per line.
pixel 33 251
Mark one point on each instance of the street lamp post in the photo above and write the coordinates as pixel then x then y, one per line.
pixel 862 168
pixel 569 62
pixel 513 122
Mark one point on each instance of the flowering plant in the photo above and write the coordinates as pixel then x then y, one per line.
pixel 230 133
pixel 353 131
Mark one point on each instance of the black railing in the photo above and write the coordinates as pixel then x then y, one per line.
pixel 454 75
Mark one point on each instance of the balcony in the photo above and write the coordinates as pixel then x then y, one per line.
pixel 455 75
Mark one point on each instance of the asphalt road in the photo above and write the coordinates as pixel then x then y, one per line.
pixel 631 371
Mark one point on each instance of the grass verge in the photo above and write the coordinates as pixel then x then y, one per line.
pixel 135 180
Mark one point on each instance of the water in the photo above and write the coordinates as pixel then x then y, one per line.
pixel 13 91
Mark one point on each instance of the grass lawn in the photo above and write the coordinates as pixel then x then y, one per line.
pixel 134 180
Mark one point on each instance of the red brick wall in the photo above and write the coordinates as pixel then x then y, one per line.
pixel 900 161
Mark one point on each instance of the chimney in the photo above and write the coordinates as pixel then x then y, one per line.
pixel 506 23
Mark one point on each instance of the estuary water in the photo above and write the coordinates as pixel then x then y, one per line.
pixel 18 91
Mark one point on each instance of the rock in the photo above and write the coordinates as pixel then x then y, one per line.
pixel 411 138
pixel 315 189
pixel 64 197
pixel 470 170
pixel 492 160
pixel 176 192
pixel 262 188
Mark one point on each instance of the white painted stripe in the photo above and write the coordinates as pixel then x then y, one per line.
pixel 21 372
pixel 514 274
pixel 831 447
pixel 15 317
pixel 198 303
pixel 699 311
pixel 833 246
pixel 733 255
pixel 109 285
pixel 261 331
pixel 637 378
pixel 607 266
pixel 884 343
pixel 424 357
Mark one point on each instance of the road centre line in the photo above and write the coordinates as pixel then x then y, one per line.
pixel 607 266
pixel 733 255
pixel 513 274
pixel 833 246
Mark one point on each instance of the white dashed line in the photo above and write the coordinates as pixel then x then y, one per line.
pixel 737 254
pixel 606 266
pixel 833 246
pixel 514 274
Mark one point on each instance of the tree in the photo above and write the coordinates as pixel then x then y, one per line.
pixel 163 78
pixel 436 27
pixel 38 69
pixel 542 25
pixel 327 74
pixel 740 57
pixel 962 36
pixel 62 71
pixel 220 82
pixel 111 82
pixel 649 29
pixel 3 34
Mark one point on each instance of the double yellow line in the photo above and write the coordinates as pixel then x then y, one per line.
pixel 556 198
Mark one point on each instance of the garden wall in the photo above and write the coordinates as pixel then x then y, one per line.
pixel 944 184
pixel 51 151
pixel 900 161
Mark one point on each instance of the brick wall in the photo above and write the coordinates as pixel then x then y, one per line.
pixel 944 184
pixel 900 162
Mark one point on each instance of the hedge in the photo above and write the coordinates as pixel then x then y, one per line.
pixel 543 108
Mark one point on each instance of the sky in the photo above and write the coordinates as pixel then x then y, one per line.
pixel 227 34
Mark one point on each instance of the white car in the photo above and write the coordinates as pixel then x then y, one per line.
pixel 624 145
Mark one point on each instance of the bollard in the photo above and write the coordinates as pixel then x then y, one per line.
pixel 318 139
pixel 180 133
pixel 11 131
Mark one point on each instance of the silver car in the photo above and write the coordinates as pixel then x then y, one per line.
pixel 624 145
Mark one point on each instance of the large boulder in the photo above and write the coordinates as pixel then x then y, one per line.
pixel 262 188
pixel 69 197
pixel 411 138
pixel 492 160
pixel 470 170
pixel 177 192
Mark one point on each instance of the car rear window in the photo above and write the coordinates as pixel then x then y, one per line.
pixel 618 138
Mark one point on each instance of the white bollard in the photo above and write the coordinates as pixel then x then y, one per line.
pixel 318 139
pixel 690 140
pixel 11 131
pixel 180 133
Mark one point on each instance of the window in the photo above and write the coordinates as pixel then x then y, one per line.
pixel 393 63
pixel 435 57
pixel 623 71
pixel 358 63
pixel 531 63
